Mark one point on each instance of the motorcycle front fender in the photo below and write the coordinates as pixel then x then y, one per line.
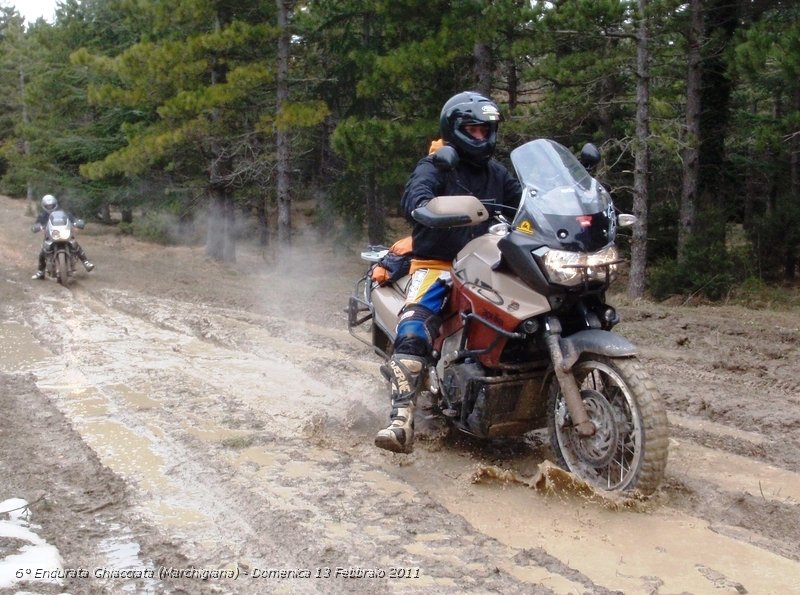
pixel 594 341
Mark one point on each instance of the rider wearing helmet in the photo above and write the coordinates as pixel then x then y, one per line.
pixel 461 116
pixel 49 205
pixel 468 123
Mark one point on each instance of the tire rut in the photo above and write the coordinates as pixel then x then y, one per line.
pixel 233 506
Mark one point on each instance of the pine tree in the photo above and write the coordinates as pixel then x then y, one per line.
pixel 199 82
pixel 765 139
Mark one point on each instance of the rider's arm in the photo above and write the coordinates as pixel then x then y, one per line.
pixel 512 191
pixel 424 183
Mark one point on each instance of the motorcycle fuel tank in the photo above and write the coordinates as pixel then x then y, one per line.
pixel 481 269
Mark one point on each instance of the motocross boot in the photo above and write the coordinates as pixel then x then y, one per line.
pixel 39 275
pixel 402 372
pixel 88 266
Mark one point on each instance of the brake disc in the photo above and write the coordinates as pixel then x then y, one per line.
pixel 598 450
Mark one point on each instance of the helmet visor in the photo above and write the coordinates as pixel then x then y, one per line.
pixel 477 130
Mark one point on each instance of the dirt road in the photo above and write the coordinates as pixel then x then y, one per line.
pixel 173 422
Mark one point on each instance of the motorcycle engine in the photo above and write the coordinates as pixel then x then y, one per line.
pixel 461 383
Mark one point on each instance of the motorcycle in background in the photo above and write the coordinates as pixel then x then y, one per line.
pixel 60 245
pixel 526 339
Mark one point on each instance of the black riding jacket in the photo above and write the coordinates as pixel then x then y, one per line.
pixel 492 184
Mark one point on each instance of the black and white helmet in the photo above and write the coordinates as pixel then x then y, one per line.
pixel 465 109
pixel 49 203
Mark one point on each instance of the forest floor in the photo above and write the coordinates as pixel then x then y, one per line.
pixel 171 421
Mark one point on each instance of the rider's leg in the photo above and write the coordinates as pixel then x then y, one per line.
pixel 83 258
pixel 416 330
pixel 39 274
pixel 403 372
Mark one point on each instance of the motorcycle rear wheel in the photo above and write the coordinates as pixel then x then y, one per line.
pixel 62 268
pixel 628 452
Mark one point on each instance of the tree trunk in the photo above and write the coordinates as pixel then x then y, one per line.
pixel 512 74
pixel 215 227
pixel 376 213
pixel 262 223
pixel 794 163
pixel 753 190
pixel 792 256
pixel 220 239
pixel 605 114
pixel 229 236
pixel 636 283
pixel 374 205
pixel 512 77
pixel 720 23
pixel 691 158
pixel 26 145
pixel 482 54
pixel 220 233
pixel 282 137
pixel 776 181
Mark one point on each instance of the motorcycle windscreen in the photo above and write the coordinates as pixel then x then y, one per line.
pixel 544 164
pixel 59 218
pixel 562 206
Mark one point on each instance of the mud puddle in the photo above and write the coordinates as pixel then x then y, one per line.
pixel 192 414
pixel 240 414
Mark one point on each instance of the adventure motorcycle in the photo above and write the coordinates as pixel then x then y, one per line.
pixel 525 341
pixel 60 245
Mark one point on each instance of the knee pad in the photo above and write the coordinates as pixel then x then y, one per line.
pixel 417 326
pixel 411 345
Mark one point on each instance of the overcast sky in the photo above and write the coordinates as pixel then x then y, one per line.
pixel 33 9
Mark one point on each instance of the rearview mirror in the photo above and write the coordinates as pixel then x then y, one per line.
pixel 80 223
pixel 589 157
pixel 36 227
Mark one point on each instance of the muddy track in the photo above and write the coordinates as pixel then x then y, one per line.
pixel 236 418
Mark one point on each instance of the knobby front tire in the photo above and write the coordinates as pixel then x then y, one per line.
pixel 62 268
pixel 629 450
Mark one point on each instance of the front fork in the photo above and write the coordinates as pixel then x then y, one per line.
pixel 566 380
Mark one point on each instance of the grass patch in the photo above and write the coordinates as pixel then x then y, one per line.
pixel 756 294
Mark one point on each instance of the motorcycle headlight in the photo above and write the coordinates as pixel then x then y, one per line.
pixel 574 268
pixel 61 234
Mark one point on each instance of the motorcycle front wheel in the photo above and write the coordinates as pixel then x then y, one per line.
pixel 628 452
pixel 62 270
